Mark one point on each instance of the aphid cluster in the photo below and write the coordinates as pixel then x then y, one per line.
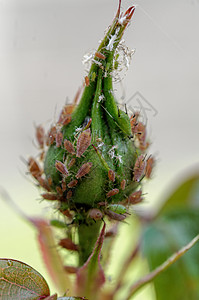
pixel 92 160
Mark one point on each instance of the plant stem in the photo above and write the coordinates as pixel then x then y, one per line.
pixel 88 234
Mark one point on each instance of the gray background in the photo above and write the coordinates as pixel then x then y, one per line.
pixel 42 43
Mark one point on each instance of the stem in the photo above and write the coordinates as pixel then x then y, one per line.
pixel 152 275
pixel 88 234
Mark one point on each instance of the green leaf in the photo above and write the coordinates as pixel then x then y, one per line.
pixel 20 281
pixel 176 224
pixel 185 195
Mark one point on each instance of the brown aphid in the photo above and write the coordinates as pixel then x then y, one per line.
pixel 65 115
pixel 115 216
pixel 61 168
pixel 149 166
pixel 50 181
pixel 83 170
pixel 83 142
pixel 69 146
pixel 87 81
pixel 139 168
pixel 111 175
pixel 72 183
pixel 95 214
pixel 34 168
pixel 66 213
pixel 71 162
pixel 133 121
pixel 64 186
pixel 135 197
pixel 100 55
pixel 59 139
pixel 112 192
pixel 69 195
pixel 71 269
pixel 59 190
pixel 40 136
pixel 68 244
pixel 49 196
pixel 44 183
pixel 51 136
pixel 123 184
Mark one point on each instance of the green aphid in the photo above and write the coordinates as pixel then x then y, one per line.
pixel 58 223
pixel 117 208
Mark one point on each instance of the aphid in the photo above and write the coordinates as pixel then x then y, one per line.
pixel 61 168
pixel 123 184
pixel 114 215
pixel 112 192
pixel 50 182
pixel 58 224
pixel 95 214
pixel 59 139
pixel 71 162
pixel 69 195
pixel 83 142
pixel 51 136
pixel 139 168
pixel 43 183
pixel 63 185
pixel 65 115
pixel 72 183
pixel 135 197
pixel 83 170
pixel 40 136
pixel 117 208
pixel 111 175
pixel 49 196
pixel 34 168
pixel 100 55
pixel 87 81
pixel 59 190
pixel 149 166
pixel 68 244
pixel 69 146
pixel 71 270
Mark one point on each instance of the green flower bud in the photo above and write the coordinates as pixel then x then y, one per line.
pixel 92 162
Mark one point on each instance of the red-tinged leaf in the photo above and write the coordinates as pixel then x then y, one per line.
pixel 90 277
pixel 51 256
pixel 53 297
pixel 20 281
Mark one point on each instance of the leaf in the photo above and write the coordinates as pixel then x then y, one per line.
pixel 176 224
pixel 90 277
pixel 20 281
pixel 51 256
pixel 53 297
pixel 185 195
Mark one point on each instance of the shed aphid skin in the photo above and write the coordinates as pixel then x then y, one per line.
pixel 90 158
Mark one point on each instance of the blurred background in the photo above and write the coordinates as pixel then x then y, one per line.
pixel 42 43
